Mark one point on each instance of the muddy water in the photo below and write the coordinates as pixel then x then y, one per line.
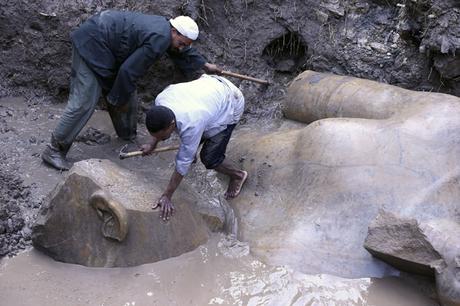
pixel 222 272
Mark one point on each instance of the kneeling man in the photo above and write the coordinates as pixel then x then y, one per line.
pixel 202 111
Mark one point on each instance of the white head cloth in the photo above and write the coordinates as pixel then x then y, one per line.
pixel 186 26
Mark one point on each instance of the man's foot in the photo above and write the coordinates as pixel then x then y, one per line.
pixel 55 158
pixel 235 185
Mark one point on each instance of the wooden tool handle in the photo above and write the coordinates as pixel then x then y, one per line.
pixel 130 154
pixel 167 148
pixel 244 77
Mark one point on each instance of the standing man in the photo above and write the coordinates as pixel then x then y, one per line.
pixel 201 111
pixel 110 52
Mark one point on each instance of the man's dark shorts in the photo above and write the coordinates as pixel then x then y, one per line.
pixel 213 151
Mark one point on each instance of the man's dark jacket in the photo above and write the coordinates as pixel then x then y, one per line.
pixel 119 47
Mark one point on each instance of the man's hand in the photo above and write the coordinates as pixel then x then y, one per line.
pixel 212 69
pixel 167 207
pixel 148 148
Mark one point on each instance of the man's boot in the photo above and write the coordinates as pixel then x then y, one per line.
pixel 55 153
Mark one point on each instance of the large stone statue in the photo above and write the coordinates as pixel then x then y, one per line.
pixel 314 189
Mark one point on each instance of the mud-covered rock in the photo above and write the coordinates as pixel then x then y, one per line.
pixel 430 248
pixel 101 216
pixel 93 136
pixel 401 243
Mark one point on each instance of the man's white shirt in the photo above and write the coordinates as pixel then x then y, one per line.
pixel 203 108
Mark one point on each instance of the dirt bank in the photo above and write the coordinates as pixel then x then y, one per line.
pixel 407 43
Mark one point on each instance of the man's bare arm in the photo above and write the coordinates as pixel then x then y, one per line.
pixel 167 207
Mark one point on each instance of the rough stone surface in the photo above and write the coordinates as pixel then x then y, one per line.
pixel 430 248
pixel 401 243
pixel 69 229
pixel 444 235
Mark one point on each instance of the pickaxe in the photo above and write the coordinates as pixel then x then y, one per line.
pixel 124 154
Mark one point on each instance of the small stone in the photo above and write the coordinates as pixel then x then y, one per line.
pixel 9 228
pixel 379 47
pixel 18 224
pixel 4 250
pixel 25 193
pixel 26 232
pixel 321 16
pixel 422 49
pixel 256 194
pixel 13 206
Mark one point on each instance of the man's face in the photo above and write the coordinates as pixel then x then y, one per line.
pixel 164 133
pixel 179 41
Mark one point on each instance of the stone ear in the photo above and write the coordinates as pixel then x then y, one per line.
pixel 112 213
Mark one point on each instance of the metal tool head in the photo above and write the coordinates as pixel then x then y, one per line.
pixel 123 152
